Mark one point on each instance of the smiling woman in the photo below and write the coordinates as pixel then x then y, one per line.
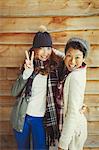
pixel 43 53
pixel 74 131
pixel 73 59
pixel 34 111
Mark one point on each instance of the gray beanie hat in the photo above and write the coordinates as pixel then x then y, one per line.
pixel 83 42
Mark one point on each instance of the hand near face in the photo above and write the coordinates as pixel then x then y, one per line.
pixel 29 61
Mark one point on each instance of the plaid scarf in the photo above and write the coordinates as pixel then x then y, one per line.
pixel 50 118
pixel 63 73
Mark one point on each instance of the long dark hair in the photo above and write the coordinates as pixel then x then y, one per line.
pixel 49 65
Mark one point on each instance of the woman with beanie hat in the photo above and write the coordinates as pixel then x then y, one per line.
pixel 74 130
pixel 34 114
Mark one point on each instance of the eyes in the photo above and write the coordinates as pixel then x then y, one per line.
pixel 77 57
pixel 46 48
pixel 71 57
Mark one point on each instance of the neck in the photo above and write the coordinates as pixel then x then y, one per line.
pixel 41 66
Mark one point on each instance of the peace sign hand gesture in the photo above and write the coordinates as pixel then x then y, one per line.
pixel 29 62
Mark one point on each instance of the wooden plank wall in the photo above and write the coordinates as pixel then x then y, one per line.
pixel 65 18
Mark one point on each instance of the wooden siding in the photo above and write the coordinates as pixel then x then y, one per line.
pixel 54 23
pixel 30 8
pixel 19 21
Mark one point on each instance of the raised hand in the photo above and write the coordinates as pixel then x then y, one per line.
pixel 29 62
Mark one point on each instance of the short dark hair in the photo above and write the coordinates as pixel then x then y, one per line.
pixel 76 45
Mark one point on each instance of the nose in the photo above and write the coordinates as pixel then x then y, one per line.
pixel 45 52
pixel 72 61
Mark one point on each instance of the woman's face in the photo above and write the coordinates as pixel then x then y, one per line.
pixel 43 53
pixel 73 59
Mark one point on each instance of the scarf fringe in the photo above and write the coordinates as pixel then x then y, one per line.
pixel 52 135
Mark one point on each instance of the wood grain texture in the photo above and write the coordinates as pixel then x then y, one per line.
pixel 6 128
pixel 93 128
pixel 92 148
pixel 92 141
pixel 5 113
pixel 37 8
pixel 12 73
pixel 92 115
pixel 93 73
pixel 19 21
pixel 7 101
pixel 59 38
pixel 15 55
pixel 92 99
pixel 30 25
pixel 5 87
pixel 92 87
pixel 8 142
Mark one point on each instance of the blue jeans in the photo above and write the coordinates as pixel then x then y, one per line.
pixel 32 126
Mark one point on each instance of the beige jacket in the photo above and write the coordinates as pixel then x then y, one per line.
pixel 74 132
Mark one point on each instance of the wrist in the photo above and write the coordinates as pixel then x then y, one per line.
pixel 27 73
